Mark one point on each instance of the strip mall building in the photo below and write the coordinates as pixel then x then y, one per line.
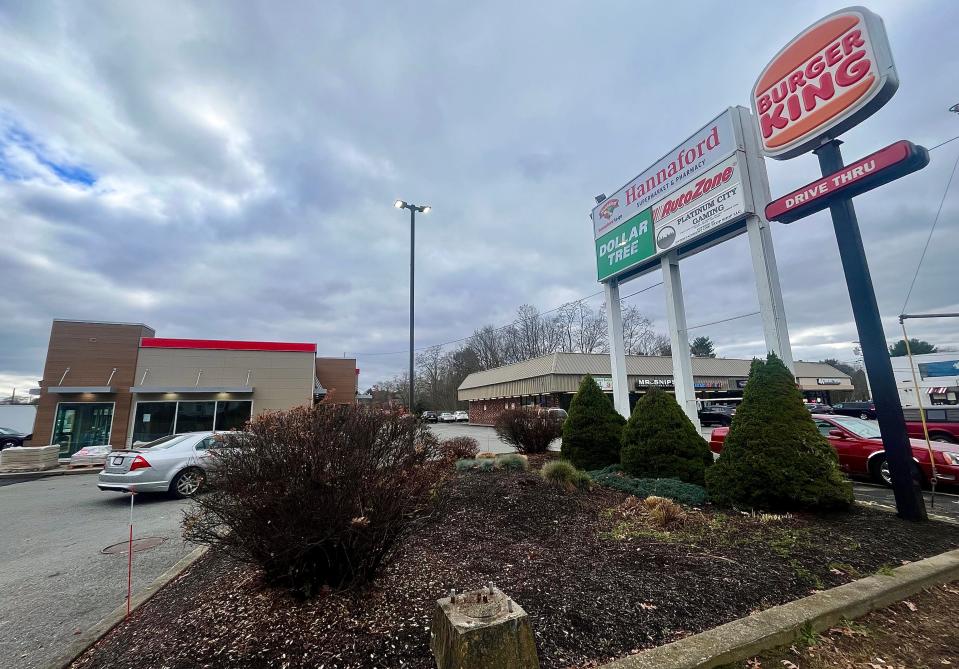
pixel 551 381
pixel 118 383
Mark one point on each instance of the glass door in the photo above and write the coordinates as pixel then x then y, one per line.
pixel 80 424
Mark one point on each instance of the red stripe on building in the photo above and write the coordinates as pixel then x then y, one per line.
pixel 226 345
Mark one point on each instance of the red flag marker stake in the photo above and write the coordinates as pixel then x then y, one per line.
pixel 130 556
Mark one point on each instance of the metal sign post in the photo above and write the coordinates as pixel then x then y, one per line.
pixel 895 439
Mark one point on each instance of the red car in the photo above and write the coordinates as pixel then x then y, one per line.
pixel 858 444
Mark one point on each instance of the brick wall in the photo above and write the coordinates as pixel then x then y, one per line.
pixel 485 412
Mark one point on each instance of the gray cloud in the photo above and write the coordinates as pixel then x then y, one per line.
pixel 246 158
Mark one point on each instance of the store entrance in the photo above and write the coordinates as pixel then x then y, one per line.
pixel 80 424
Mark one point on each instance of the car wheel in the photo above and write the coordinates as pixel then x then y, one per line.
pixel 944 438
pixel 880 471
pixel 864 416
pixel 8 444
pixel 187 483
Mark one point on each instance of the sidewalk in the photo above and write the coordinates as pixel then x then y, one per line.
pixel 6 478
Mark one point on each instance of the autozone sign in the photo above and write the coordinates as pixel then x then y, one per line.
pixel 830 77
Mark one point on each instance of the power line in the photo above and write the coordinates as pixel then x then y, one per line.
pixel 724 320
pixel 935 221
pixel 943 143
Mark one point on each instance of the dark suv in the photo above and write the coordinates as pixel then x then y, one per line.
pixel 717 414
pixel 430 416
pixel 864 410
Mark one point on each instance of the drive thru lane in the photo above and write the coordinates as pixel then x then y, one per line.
pixel 54 580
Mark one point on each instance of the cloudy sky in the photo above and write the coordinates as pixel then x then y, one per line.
pixel 227 170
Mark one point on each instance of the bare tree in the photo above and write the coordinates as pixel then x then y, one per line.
pixel 661 345
pixel 487 344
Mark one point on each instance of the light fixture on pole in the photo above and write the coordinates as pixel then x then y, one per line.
pixel 954 108
pixel 425 209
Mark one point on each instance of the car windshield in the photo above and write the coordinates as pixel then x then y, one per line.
pixel 7 430
pixel 861 428
pixel 163 442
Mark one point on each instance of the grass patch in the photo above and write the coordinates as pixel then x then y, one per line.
pixel 564 473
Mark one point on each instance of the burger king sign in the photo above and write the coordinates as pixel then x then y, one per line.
pixel 827 79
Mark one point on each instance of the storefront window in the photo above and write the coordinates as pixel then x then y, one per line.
pixel 80 424
pixel 195 416
pixel 157 419
pixel 232 415
pixel 153 420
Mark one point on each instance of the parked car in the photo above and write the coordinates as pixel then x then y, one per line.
pixel 558 414
pixel 10 437
pixel 858 443
pixel 430 416
pixel 461 416
pixel 943 424
pixel 815 407
pixel 864 410
pixel 447 417
pixel 717 414
pixel 177 464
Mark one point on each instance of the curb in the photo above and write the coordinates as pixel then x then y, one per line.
pixel 44 473
pixel 778 626
pixel 83 642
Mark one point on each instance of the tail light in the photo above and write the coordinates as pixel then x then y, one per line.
pixel 139 462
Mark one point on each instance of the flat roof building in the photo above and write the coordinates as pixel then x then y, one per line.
pixel 118 384
pixel 551 380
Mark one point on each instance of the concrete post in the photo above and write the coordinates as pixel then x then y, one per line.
pixel 617 348
pixel 678 337
pixel 770 295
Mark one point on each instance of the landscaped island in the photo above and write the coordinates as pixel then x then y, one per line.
pixel 347 525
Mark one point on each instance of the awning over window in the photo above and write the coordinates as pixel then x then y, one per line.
pixel 938 390
pixel 66 390
pixel 190 390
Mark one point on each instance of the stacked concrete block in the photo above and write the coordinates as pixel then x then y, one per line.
pixel 29 458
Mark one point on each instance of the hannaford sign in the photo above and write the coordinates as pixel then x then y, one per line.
pixel 698 187
pixel 828 382
pixel 827 79
pixel 682 165
pixel 881 167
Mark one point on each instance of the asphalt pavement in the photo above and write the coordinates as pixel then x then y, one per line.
pixel 54 579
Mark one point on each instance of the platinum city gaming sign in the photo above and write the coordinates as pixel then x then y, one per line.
pixel 696 190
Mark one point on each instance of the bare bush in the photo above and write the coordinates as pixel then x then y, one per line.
pixel 459 448
pixel 318 496
pixel 529 430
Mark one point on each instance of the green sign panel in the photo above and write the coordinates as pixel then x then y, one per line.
pixel 626 245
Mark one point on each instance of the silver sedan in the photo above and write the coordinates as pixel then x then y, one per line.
pixel 176 464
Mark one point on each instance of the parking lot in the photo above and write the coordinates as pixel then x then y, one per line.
pixel 54 579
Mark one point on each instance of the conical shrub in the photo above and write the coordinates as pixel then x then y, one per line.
pixel 659 441
pixel 593 430
pixel 774 456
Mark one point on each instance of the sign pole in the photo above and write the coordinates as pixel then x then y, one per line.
pixel 130 556
pixel 617 348
pixel 678 337
pixel 905 484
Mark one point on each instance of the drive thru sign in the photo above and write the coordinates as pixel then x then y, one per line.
pixel 826 80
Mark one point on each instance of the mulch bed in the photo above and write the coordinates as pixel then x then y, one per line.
pixel 921 632
pixel 596 584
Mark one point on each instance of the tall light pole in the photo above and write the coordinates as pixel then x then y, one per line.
pixel 425 209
